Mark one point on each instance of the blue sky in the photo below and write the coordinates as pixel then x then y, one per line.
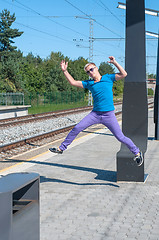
pixel 61 25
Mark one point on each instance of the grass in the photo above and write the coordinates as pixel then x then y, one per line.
pixel 61 106
pixel 54 107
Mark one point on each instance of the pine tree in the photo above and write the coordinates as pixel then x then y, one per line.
pixel 6 32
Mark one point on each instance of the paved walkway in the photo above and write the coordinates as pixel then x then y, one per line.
pixel 80 198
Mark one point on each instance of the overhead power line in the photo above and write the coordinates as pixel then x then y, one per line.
pixel 14 4
pixel 107 9
pixel 91 18
pixel 37 30
pixel 116 39
pixel 46 17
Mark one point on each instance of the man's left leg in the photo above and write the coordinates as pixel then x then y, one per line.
pixel 110 121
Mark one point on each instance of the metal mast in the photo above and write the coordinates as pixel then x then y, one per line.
pixel 91 40
pixel 90 102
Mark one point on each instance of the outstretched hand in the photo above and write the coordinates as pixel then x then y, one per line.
pixel 112 59
pixel 64 65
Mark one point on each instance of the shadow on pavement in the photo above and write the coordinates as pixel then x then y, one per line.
pixel 45 179
pixel 104 175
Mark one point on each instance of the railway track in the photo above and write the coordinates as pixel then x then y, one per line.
pixel 43 116
pixel 31 140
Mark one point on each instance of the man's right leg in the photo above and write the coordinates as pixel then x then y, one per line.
pixel 87 121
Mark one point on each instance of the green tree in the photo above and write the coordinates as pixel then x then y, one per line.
pixel 9 57
pixel 53 76
pixel 6 32
pixel 152 76
pixel 118 86
pixel 32 78
pixel 33 60
pixel 10 81
pixel 105 68
pixel 76 69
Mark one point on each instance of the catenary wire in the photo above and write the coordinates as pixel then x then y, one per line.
pixel 102 5
pixel 91 18
pixel 48 18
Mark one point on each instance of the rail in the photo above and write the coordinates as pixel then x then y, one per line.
pixel 30 140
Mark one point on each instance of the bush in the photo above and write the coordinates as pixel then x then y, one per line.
pixel 150 91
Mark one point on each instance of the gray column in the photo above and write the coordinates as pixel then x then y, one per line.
pixel 135 107
pixel 156 100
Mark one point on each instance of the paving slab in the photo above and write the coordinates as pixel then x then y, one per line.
pixel 81 199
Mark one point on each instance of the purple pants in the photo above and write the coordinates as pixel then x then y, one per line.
pixel 106 118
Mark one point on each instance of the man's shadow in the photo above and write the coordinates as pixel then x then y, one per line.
pixel 102 175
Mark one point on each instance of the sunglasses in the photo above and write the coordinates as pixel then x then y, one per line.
pixel 90 70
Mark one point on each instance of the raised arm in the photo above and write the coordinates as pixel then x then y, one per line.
pixel 69 78
pixel 122 73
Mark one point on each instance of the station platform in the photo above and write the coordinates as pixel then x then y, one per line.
pixel 13 111
pixel 80 197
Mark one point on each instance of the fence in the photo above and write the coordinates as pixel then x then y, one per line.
pixel 37 99
pixel 11 98
pixel 54 98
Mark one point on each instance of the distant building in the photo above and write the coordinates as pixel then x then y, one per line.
pixel 151 83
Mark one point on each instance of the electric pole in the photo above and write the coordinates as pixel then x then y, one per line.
pixel 90 102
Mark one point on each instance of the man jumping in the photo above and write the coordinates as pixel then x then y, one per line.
pixel 103 106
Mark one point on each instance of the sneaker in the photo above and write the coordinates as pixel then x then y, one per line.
pixel 139 159
pixel 55 150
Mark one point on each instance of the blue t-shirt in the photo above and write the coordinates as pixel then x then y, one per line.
pixel 102 92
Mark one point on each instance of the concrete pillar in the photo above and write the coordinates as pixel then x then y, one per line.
pixel 135 107
pixel 156 100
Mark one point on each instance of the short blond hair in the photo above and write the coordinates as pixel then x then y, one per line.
pixel 88 65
